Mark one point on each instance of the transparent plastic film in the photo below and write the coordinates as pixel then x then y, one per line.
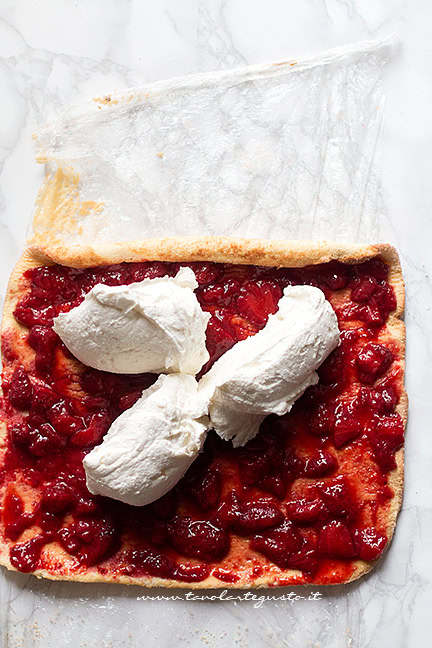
pixel 287 150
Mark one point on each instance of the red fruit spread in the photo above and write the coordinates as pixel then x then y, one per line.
pixel 310 493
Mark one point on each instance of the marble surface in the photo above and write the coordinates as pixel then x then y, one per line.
pixel 56 52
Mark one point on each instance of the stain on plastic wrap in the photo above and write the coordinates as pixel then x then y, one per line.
pixel 269 151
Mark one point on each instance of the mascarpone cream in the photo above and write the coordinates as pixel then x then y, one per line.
pixel 155 325
pixel 267 372
pixel 150 446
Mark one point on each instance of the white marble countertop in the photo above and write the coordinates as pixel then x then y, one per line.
pixel 55 52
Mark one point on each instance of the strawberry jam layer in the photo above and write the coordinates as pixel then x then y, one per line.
pixel 309 493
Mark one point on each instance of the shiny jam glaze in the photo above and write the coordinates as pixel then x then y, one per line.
pixel 309 493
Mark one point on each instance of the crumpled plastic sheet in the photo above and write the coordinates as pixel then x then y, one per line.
pixel 285 150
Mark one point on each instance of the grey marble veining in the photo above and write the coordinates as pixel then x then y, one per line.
pixel 53 54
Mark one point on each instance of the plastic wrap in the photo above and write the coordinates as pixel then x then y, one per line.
pixel 285 150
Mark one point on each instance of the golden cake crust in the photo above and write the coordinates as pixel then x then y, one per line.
pixel 217 249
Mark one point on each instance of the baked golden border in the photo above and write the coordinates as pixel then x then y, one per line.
pixel 222 249
pixel 229 250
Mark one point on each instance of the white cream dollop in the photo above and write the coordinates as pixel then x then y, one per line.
pixel 150 446
pixel 155 325
pixel 267 372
